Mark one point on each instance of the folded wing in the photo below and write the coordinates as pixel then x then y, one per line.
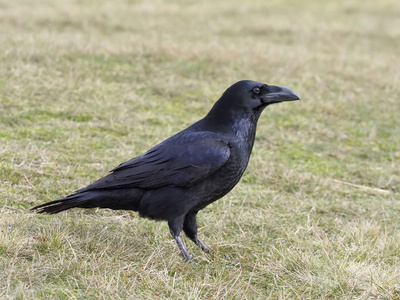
pixel 168 164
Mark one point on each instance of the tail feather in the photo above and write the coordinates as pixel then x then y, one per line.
pixel 60 205
pixel 114 199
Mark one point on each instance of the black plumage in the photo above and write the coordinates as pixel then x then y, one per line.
pixel 188 171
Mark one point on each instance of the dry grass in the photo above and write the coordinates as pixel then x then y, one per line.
pixel 86 85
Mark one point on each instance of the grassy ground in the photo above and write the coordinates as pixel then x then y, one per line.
pixel 85 85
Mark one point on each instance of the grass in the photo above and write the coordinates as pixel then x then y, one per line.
pixel 86 85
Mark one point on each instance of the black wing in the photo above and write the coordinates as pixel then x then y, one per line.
pixel 168 164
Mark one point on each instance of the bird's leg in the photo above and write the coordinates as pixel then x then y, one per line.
pixel 202 245
pixel 190 229
pixel 184 252
pixel 175 227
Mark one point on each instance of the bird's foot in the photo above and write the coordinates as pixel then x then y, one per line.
pixel 202 246
pixel 192 262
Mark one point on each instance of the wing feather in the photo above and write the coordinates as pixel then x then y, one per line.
pixel 180 164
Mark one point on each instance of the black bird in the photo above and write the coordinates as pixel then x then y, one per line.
pixel 188 171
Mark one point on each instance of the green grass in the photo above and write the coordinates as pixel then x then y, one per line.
pixel 86 85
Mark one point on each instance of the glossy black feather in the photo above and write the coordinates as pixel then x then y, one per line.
pixel 177 162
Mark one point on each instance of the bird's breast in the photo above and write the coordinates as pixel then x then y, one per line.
pixel 222 181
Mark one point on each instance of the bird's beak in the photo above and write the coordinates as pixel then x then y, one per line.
pixel 278 94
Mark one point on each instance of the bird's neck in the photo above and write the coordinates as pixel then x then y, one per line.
pixel 233 123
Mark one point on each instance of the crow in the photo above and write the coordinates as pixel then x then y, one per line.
pixel 180 176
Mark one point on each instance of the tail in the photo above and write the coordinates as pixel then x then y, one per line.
pixel 128 199
pixel 60 205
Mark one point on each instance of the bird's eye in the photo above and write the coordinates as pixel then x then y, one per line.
pixel 256 90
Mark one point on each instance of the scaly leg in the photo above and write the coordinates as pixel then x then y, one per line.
pixel 190 229
pixel 175 227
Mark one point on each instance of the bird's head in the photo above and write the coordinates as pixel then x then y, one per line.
pixel 253 95
pixel 244 101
